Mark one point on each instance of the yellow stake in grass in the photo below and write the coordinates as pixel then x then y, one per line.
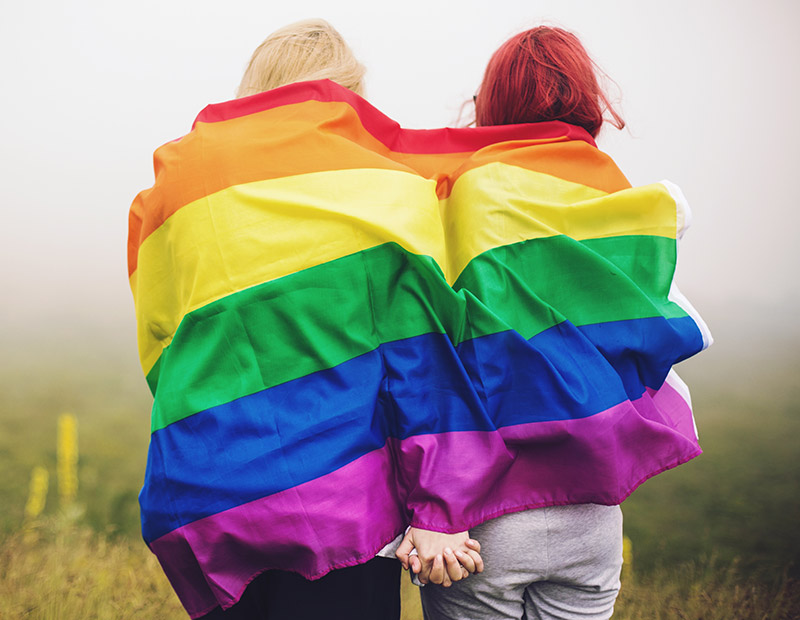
pixel 37 492
pixel 67 454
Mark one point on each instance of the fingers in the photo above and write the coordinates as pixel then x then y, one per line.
pixel 477 559
pixel 473 544
pixel 474 551
pixel 437 574
pixel 425 567
pixel 414 564
pixel 453 568
pixel 405 549
pixel 466 560
pixel 437 562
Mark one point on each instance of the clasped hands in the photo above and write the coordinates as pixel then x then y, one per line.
pixel 440 558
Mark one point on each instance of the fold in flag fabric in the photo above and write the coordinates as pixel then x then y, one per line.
pixel 349 327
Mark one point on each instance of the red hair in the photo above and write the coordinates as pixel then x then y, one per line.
pixel 543 74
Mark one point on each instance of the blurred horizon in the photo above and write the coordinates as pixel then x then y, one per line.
pixel 762 330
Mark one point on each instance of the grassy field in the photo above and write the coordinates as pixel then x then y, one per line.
pixel 716 538
pixel 65 571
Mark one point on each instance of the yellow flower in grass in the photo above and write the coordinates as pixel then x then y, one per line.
pixel 37 492
pixel 67 455
pixel 627 559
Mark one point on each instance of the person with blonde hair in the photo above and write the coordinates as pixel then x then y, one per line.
pixel 306 50
pixel 303 52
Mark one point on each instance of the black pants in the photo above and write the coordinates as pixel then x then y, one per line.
pixel 368 591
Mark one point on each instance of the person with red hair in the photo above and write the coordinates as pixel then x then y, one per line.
pixel 556 561
pixel 543 74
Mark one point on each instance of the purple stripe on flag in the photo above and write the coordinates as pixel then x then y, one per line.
pixel 457 480
pixel 449 481
pixel 674 406
pixel 341 519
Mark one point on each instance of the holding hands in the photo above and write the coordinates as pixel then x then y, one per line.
pixel 440 558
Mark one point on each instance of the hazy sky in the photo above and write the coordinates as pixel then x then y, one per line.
pixel 709 90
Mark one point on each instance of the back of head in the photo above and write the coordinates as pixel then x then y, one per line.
pixel 306 50
pixel 543 74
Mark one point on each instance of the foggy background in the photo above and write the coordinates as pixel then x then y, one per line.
pixel 709 91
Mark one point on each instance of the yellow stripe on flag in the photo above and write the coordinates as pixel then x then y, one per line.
pixel 248 234
pixel 500 204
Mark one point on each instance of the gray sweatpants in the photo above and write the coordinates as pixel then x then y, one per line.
pixel 561 562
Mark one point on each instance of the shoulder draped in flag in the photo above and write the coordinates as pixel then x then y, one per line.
pixel 349 327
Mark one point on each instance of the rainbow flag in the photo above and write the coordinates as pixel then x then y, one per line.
pixel 349 327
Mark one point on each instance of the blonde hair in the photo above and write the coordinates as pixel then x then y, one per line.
pixel 307 50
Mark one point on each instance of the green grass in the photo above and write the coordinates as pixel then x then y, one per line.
pixel 739 500
pixel 65 571
pixel 107 394
pixel 708 590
